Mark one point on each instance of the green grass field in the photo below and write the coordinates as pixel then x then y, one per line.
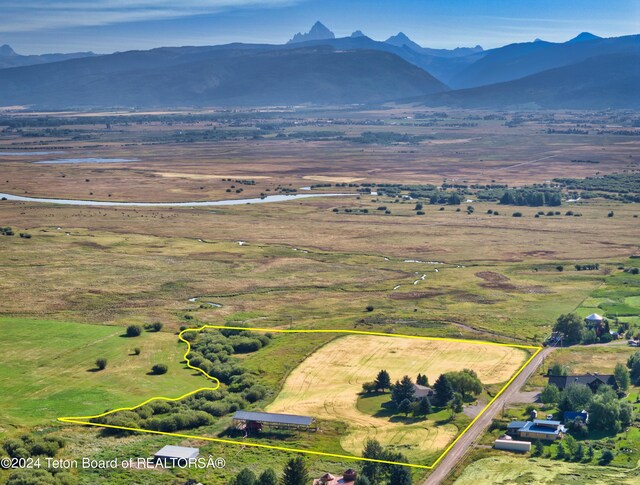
pixel 48 370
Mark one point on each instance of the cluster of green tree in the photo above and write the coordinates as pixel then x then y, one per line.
pixel 386 138
pixel 6 231
pixel 587 267
pixel 267 477
pixel 574 331
pixel 619 183
pixel 313 135
pixel 29 445
pixel 570 131
pixel 633 363
pixel 375 473
pixel 606 411
pixel 531 198
pixel 213 351
pixel 192 136
pixel 571 450
pixel 452 388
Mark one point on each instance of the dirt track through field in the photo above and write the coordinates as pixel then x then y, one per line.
pixel 326 385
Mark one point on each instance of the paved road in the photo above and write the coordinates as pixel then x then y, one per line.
pixel 457 453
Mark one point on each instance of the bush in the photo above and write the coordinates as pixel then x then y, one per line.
pixel 369 308
pixel 136 351
pixel 101 363
pixel 154 327
pixel 517 214
pixel 606 457
pixel 134 330
pixel 159 369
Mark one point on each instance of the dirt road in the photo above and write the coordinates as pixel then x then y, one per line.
pixel 464 444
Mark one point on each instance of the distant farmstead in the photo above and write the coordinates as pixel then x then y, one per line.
pixel 538 429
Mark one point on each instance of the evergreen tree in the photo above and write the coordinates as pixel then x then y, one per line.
pixel 268 477
pixel 383 380
pixel 405 407
pixel 538 448
pixel 372 470
pixel 403 390
pixel 422 380
pixel 362 480
pixel 295 472
pixel 590 453
pixel 443 390
pixel 579 454
pixel 245 477
pixel 400 475
pixel 423 408
pixel 560 454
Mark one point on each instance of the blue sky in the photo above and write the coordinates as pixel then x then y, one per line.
pixel 38 26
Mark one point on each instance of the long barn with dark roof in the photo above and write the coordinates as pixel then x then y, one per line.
pixel 593 381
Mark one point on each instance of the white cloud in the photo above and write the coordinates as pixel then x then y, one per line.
pixel 33 15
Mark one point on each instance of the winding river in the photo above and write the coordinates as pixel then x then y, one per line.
pixel 206 203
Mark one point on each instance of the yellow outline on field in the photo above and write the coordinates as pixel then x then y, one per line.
pixel 83 419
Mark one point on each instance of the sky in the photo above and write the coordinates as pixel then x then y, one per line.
pixel 104 26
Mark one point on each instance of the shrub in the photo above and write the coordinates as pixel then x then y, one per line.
pixel 136 351
pixel 134 330
pixel 101 363
pixel 517 214
pixel 154 327
pixel 369 308
pixel 159 369
pixel 606 457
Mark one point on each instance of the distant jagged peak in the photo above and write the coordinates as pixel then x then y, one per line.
pixel 401 39
pixel 358 33
pixel 318 32
pixel 7 51
pixel 584 36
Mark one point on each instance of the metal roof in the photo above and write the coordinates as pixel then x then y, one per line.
pixel 292 419
pixel 177 452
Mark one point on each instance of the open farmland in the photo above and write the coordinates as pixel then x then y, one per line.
pixel 369 261
pixel 326 385
pixel 58 376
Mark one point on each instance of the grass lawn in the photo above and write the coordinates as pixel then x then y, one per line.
pixel 48 370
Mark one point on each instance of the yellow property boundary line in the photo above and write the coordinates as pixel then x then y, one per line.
pixel 84 419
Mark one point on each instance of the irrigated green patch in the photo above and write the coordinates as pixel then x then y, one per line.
pixel 48 369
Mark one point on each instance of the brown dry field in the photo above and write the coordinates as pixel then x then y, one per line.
pixel 327 384
pixel 478 154
pixel 125 264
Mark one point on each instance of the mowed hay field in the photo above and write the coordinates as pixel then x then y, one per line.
pixel 327 383
pixel 48 370
pixel 511 470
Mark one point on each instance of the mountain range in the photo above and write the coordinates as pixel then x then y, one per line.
pixel 316 67
pixel 9 58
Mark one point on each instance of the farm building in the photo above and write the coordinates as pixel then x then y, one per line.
pixel 538 429
pixel 573 415
pixel 422 391
pixel 594 319
pixel 349 476
pixel 176 454
pixel 512 445
pixel 255 421
pixel 594 381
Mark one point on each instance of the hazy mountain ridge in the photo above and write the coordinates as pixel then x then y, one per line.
pixel 516 61
pixel 600 82
pixel 311 68
pixel 318 75
pixel 9 57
